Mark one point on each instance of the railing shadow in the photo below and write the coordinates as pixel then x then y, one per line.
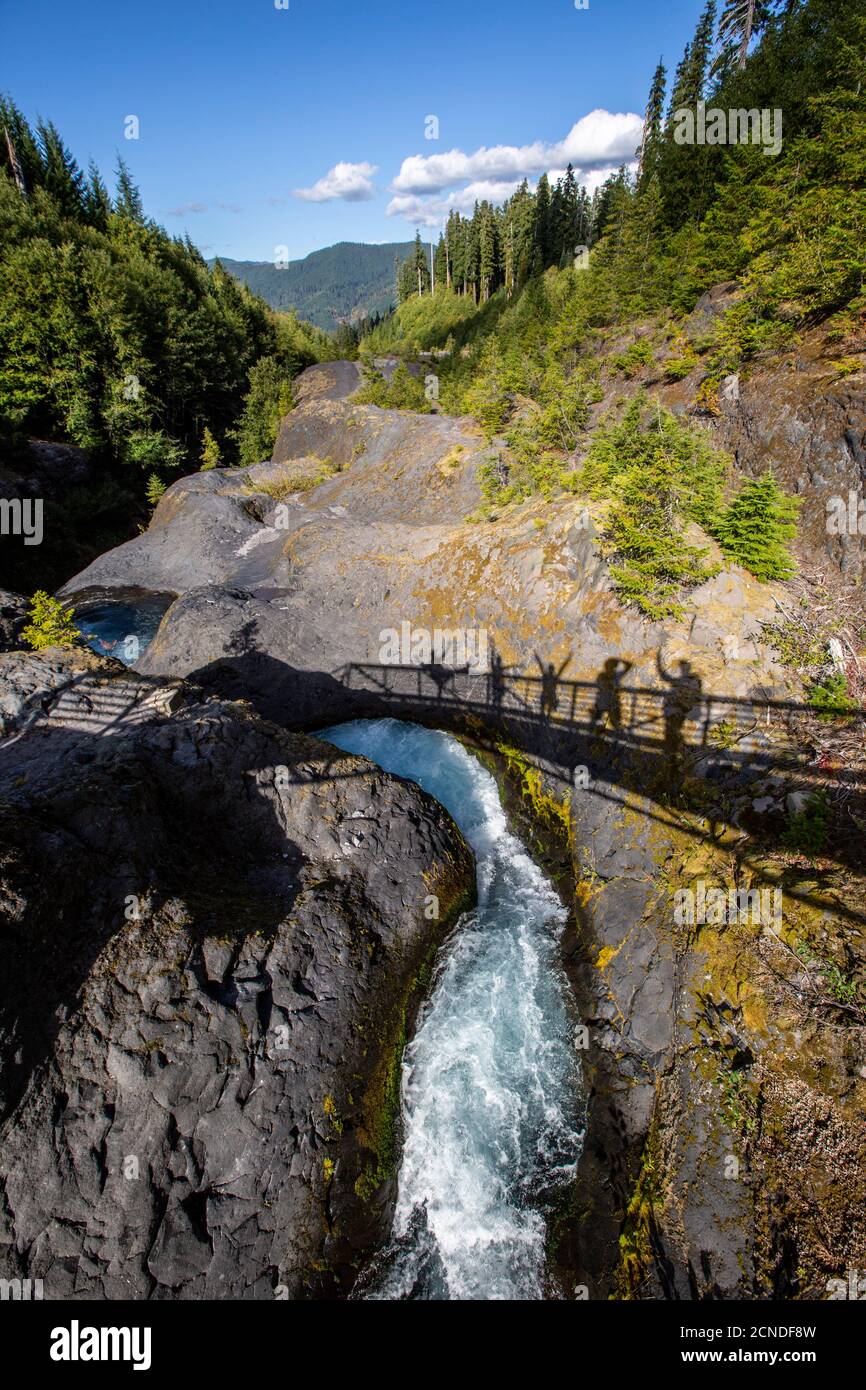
pixel 674 753
pixel 677 754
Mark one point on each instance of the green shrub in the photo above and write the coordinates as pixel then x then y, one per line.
pixel 661 474
pixel 425 321
pixel 848 366
pixel 153 450
pixel 756 526
pixel 829 697
pixel 676 368
pixel 652 562
pixel 649 438
pixel 403 392
pixel 50 623
pixel 629 362
pixel 749 327
pixel 490 396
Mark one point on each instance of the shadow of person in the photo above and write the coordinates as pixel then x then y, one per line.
pixel 550 677
pixel 608 693
pixel 441 676
pixel 496 681
pixel 499 682
pixel 685 691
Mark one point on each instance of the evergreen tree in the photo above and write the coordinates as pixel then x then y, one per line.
pixel 14 126
pixel 473 253
pixel 519 229
pixel 50 623
pixel 406 280
pixel 756 527
pixel 458 254
pixel 684 169
pixel 564 207
pixel 154 488
pixel 420 268
pixel 542 229
pixel 610 205
pixel 97 203
pixel 61 177
pixel 652 129
pixel 440 264
pixel 487 250
pixel 583 219
pixel 450 233
pixel 697 67
pixel 210 451
pixel 127 199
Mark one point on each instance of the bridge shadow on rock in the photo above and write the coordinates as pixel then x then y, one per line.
pixel 677 753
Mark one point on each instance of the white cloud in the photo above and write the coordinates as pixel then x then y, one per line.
pixel 599 139
pixel 185 208
pixel 353 182
pixel 433 212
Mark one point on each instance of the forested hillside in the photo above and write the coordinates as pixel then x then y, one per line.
pixel 351 280
pixel 119 339
pixel 528 300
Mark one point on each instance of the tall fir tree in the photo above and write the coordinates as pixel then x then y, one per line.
pixel 651 142
pixel 97 203
pixel 542 239
pixel 487 250
pixel 127 199
pixel 61 176
pixel 440 264
pixel 420 268
pixel 684 168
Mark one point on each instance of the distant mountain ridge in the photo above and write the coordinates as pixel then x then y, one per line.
pixel 346 281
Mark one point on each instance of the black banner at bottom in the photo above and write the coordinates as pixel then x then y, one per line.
pixel 281 1339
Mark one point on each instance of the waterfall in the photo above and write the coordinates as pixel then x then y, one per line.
pixel 491 1103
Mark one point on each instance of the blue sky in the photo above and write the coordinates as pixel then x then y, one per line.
pixel 242 104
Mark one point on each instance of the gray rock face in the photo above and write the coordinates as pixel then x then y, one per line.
pixel 211 932
pixel 327 381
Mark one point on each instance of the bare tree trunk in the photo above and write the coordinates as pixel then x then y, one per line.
pixel 747 34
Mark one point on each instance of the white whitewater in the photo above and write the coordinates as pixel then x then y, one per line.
pixel 491 1085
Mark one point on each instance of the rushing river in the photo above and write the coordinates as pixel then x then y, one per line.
pixel 491 1086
